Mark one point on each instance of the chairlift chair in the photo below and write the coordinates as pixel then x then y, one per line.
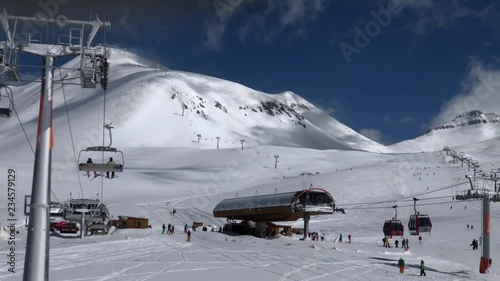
pixel 102 167
pixel 419 223
pixel 6 101
pixel 393 227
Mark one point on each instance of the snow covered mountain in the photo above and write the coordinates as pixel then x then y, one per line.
pixel 473 117
pixel 164 108
pixel 467 128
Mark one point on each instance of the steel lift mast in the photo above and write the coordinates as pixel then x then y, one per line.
pixel 93 69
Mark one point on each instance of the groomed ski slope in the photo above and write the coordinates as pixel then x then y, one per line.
pixel 192 181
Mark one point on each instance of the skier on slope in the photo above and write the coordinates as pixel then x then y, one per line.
pixel 401 264
pixel 422 268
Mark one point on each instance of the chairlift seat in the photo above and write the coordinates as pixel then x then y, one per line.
pixel 5 112
pixel 90 167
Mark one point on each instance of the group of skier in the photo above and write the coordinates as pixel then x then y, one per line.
pixel 170 230
pixel 404 243
pixel 402 265
pixel 474 244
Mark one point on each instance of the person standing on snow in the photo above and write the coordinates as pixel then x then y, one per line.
pixel 188 235
pixel 422 268
pixel 163 232
pixel 419 239
pixel 401 264
pixel 349 237
pixel 340 238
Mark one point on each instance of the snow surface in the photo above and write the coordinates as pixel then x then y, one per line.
pixel 193 181
pixel 162 172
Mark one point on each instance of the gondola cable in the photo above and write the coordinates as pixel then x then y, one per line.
pixel 104 114
pixel 406 198
pixel 27 138
pixel 71 136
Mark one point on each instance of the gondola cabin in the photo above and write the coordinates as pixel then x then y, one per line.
pixel 393 228
pixel 419 223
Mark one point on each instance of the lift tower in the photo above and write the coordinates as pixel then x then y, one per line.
pixel 74 39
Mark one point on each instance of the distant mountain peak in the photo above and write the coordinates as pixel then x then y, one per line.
pixel 469 118
pixel 152 107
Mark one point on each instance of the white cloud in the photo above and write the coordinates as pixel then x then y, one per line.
pixel 214 32
pixel 281 16
pixel 328 110
pixel 124 22
pixel 442 14
pixel 403 120
pixel 375 135
pixel 480 90
pixel 407 119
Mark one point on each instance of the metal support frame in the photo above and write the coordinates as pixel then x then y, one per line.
pixel 36 263
pixel 396 209
pixel 307 217
pixel 485 262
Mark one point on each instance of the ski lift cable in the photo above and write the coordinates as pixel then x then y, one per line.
pixel 22 126
pixel 27 138
pixel 71 135
pixel 406 198
pixel 104 116
pixel 403 206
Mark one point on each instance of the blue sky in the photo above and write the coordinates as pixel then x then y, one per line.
pixel 389 69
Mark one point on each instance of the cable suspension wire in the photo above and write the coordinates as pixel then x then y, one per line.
pixel 104 117
pixel 404 198
pixel 407 206
pixel 22 126
pixel 71 135
pixel 27 139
